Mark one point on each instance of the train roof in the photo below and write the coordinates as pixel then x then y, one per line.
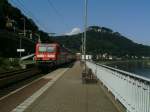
pixel 47 44
pixel 54 44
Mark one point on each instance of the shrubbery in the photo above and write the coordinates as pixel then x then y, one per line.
pixel 9 64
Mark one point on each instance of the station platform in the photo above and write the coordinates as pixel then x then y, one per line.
pixel 65 92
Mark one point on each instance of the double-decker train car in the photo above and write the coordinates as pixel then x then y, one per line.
pixel 49 55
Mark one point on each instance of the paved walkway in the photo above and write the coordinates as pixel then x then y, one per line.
pixel 68 94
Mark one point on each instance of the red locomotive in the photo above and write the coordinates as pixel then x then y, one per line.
pixel 47 55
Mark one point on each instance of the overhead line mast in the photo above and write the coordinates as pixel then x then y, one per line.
pixel 85 29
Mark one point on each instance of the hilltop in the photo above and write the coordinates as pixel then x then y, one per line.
pixel 102 40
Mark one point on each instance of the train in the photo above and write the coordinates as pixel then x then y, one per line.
pixel 49 55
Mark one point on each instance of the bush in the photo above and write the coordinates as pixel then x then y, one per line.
pixel 9 63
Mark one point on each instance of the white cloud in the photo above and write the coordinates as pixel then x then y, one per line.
pixel 74 31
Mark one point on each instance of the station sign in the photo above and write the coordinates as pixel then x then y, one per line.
pixel 20 50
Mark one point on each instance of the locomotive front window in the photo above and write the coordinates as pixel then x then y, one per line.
pixel 42 49
pixel 50 49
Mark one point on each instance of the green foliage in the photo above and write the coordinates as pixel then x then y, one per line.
pixel 45 38
pixel 15 15
pixel 10 42
pixel 7 64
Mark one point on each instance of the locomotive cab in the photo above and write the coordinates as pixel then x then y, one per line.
pixel 46 52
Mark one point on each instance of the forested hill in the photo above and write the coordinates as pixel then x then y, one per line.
pixel 12 20
pixel 11 17
pixel 12 29
pixel 102 40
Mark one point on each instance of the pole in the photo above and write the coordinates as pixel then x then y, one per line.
pixel 85 28
pixel 39 39
pixel 20 45
pixel 82 38
pixel 24 27
pixel 24 33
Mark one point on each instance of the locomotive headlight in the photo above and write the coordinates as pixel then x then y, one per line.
pixel 40 55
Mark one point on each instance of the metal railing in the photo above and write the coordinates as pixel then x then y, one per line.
pixel 131 90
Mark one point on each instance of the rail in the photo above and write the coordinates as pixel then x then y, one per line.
pixel 11 73
pixel 11 77
pixel 131 90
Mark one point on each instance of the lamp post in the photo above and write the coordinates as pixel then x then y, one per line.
pixel 20 41
pixel 85 28
pixel 82 46
pixel 20 45
pixel 24 33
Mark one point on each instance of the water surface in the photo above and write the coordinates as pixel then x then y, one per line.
pixel 141 68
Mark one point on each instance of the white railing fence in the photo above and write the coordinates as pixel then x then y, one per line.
pixel 131 90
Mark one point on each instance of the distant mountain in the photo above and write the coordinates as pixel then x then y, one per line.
pixel 102 40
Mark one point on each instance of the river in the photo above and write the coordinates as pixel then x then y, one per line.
pixel 141 68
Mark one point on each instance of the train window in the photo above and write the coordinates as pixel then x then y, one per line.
pixel 50 49
pixel 42 49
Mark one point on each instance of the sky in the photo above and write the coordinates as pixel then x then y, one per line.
pixel 129 17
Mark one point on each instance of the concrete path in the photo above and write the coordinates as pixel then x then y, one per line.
pixel 68 94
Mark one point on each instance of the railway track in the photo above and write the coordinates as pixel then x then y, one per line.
pixel 7 78
pixel 13 80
